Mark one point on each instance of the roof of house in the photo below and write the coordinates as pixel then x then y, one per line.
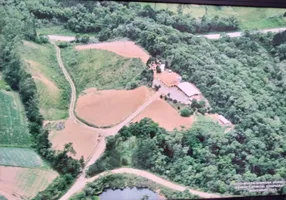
pixel 189 89
pixel 223 119
pixel 169 78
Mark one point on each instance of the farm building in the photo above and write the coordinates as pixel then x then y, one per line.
pixel 169 78
pixel 189 89
pixel 223 120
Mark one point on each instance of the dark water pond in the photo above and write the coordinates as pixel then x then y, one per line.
pixel 129 194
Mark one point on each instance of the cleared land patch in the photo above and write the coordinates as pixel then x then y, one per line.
pixel 13 124
pixel 53 90
pixel 126 49
pixel 20 157
pixel 109 107
pixel 25 182
pixel 165 115
pixel 100 69
pixel 84 140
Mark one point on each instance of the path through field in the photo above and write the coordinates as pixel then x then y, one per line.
pixel 100 146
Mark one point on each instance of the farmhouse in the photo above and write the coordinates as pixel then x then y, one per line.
pixel 189 89
pixel 169 78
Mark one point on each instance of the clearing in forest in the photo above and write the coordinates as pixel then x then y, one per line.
pixel 20 157
pixel 25 182
pixel 100 69
pixel 165 115
pixel 13 123
pixel 109 107
pixel 53 90
pixel 84 139
pixel 126 49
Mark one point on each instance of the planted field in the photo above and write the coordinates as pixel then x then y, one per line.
pixel 25 182
pixel 165 115
pixel 53 90
pixel 100 69
pixel 20 157
pixel 13 124
pixel 109 107
pixel 126 49
pixel 84 140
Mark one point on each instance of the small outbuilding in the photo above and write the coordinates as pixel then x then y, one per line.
pixel 223 120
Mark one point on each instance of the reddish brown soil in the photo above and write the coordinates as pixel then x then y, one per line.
pixel 109 107
pixel 84 139
pixel 24 182
pixel 165 115
pixel 168 78
pixel 124 48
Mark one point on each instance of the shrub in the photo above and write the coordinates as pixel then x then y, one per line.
pixel 161 96
pixel 63 44
pixel 158 70
pixel 42 39
pixel 175 101
pixel 186 112
pixel 132 85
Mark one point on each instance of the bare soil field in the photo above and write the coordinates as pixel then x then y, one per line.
pixel 165 115
pixel 25 182
pixel 109 107
pixel 123 48
pixel 84 140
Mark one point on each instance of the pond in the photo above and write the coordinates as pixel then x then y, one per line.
pixel 129 194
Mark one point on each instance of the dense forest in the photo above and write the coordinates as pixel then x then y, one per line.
pixel 16 24
pixel 242 78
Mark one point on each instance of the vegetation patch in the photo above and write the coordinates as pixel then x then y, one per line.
pixel 53 89
pixel 100 69
pixel 121 181
pixel 13 123
pixel 145 145
pixel 20 157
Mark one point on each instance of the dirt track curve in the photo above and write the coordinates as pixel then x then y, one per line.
pixel 100 148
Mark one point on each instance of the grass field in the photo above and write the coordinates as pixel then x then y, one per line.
pixel 249 18
pixel 53 89
pixel 13 124
pixel 100 69
pixel 20 157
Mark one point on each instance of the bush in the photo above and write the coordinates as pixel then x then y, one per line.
pixel 158 70
pixel 186 112
pixel 175 101
pixel 132 85
pixel 161 96
pixel 63 45
pixel 42 39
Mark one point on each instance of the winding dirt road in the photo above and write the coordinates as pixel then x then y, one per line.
pixel 100 147
pixel 78 187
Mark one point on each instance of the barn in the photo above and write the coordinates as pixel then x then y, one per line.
pixel 189 89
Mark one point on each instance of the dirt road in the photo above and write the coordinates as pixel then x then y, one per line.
pixel 82 182
pixel 238 34
pixel 209 36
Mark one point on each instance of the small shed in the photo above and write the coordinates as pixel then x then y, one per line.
pixel 223 120
pixel 189 89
